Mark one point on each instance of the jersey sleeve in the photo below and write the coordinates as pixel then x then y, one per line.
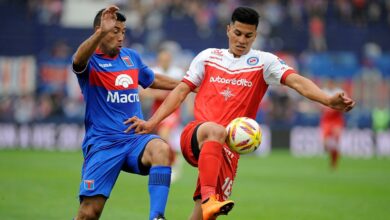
pixel 275 69
pixel 195 73
pixel 84 71
pixel 146 75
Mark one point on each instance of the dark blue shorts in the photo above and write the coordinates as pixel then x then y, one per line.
pixel 102 166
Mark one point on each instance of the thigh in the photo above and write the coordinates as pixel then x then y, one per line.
pixel 157 153
pixel 189 143
pixel 91 205
pixel 133 161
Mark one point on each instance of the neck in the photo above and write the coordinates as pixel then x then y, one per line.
pixel 234 55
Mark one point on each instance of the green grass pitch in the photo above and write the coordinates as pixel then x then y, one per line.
pixel 44 185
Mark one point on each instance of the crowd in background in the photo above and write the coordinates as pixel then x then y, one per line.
pixel 57 97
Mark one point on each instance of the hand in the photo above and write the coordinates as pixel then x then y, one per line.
pixel 341 102
pixel 108 19
pixel 140 126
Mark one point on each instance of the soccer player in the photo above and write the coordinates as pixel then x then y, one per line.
pixel 231 84
pixel 332 124
pixel 109 76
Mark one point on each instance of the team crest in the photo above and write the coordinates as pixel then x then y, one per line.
pixel 89 184
pixel 127 61
pixel 252 61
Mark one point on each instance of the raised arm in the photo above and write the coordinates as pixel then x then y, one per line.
pixel 170 104
pixel 88 47
pixel 310 90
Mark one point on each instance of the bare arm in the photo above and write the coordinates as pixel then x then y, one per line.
pixel 310 90
pixel 170 104
pixel 156 94
pixel 164 82
pixel 88 47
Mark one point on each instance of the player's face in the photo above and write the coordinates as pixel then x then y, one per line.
pixel 113 41
pixel 241 37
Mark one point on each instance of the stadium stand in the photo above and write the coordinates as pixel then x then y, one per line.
pixel 34 27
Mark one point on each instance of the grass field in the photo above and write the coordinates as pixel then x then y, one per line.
pixel 44 185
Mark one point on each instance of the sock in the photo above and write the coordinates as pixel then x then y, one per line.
pixel 159 183
pixel 334 158
pixel 209 166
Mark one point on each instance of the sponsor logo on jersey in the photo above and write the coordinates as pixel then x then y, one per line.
pixel 234 82
pixel 104 65
pixel 252 61
pixel 123 80
pixel 217 52
pixel 116 97
pixel 127 61
pixel 89 184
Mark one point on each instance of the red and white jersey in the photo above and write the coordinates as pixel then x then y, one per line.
pixel 232 87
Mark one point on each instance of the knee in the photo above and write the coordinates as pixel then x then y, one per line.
pixel 88 213
pixel 161 154
pixel 213 132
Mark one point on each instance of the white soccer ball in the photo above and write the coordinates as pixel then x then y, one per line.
pixel 244 135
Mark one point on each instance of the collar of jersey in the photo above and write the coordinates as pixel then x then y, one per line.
pixel 237 58
pixel 103 55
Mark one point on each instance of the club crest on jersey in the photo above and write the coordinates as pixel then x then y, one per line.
pixel 127 61
pixel 252 61
pixel 89 184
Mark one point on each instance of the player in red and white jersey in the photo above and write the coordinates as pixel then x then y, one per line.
pixel 231 83
pixel 332 124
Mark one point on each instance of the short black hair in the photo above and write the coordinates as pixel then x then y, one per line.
pixel 245 15
pixel 96 21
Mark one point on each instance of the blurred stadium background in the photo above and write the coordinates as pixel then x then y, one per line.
pixel 41 108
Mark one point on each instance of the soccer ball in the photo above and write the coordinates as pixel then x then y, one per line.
pixel 244 135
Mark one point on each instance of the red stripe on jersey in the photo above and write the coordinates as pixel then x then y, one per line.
pixel 234 71
pixel 189 83
pixel 285 74
pixel 121 80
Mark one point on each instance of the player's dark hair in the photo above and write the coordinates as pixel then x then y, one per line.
pixel 245 15
pixel 96 22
